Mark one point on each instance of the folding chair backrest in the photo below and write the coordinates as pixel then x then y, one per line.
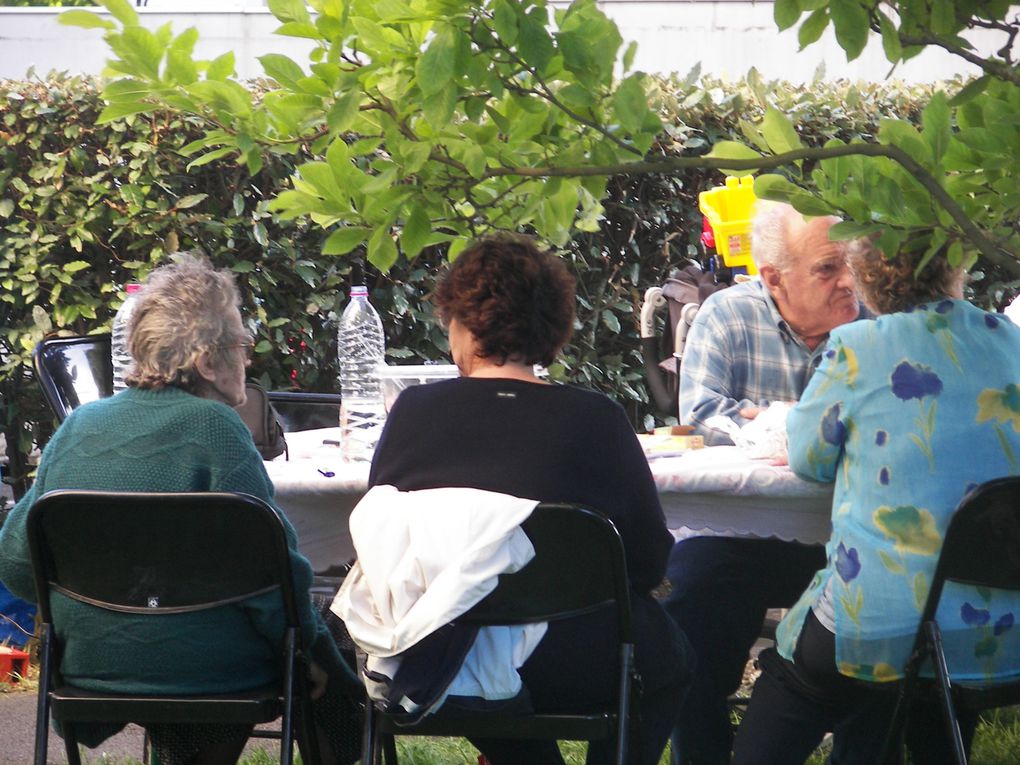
pixel 982 542
pixel 159 553
pixel 579 566
pixel 73 371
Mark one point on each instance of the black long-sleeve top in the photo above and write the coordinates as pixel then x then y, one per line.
pixel 551 443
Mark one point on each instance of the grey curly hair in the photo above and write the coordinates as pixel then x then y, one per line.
pixel 184 309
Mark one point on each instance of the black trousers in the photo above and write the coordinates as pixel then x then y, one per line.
pixel 795 703
pixel 574 669
pixel 721 590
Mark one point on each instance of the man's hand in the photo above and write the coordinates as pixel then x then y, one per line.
pixel 750 412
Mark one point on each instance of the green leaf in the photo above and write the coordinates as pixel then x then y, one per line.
pixel 611 322
pixel 343 113
pixel 890 38
pixel 628 55
pixel 436 65
pixel 785 13
pixel 289 10
pixel 851 23
pixel 970 90
pixel 416 232
pixel 943 18
pixel 937 131
pixel 121 10
pixel 282 68
pixel 774 186
pixel 85 20
pixel 382 251
pixel 504 22
pixel 536 47
pixel 190 201
pixel 439 107
pixel 299 29
pixel 118 111
pixel 811 30
pixel 180 67
pixel 6 208
pixel 630 104
pixel 211 156
pixel 779 132
pixel 733 150
pixel 75 266
pixel 849 229
pixel 810 205
pixel 221 67
pixel 343 240
pixel 242 267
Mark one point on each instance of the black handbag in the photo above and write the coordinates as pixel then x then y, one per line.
pixel 263 422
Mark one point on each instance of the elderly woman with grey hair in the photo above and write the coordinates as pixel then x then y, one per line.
pixel 174 430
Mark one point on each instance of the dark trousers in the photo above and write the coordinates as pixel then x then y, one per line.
pixel 796 703
pixel 721 589
pixel 574 669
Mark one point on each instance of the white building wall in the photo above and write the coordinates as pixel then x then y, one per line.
pixel 727 37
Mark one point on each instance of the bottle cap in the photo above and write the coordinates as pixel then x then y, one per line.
pixel 357 273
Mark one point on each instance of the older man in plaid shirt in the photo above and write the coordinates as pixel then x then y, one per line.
pixel 749 346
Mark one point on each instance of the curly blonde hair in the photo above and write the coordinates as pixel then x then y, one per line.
pixel 185 309
pixel 888 285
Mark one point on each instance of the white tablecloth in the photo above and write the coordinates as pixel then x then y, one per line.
pixel 717 488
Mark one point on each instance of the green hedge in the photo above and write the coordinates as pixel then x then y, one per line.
pixel 86 208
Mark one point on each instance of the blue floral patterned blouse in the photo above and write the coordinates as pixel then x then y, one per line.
pixel 906 414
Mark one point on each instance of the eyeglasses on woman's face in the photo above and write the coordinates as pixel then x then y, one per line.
pixel 247 348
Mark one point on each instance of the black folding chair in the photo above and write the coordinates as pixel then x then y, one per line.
pixel 153 555
pixel 578 567
pixel 981 549
pixel 73 371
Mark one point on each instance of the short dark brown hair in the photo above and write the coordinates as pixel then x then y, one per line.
pixel 517 300
pixel 889 285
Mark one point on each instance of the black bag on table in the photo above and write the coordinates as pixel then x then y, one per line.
pixel 263 422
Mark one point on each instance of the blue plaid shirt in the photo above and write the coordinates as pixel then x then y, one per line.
pixel 740 353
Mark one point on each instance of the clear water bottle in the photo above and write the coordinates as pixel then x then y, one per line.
pixel 119 350
pixel 361 350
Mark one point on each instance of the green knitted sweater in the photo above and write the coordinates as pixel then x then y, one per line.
pixel 165 440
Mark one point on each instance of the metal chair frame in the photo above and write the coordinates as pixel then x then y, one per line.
pixel 982 549
pixel 579 566
pixel 154 554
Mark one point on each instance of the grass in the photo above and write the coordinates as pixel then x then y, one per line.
pixel 997 742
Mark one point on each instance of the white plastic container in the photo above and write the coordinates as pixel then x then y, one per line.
pixel 120 352
pixel 395 378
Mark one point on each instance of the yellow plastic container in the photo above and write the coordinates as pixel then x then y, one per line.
pixel 730 209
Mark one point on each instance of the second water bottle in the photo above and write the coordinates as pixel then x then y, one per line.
pixel 361 350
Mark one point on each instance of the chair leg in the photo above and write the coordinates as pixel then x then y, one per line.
pixel 71 746
pixel 42 710
pixel 368 736
pixel 389 745
pixel 945 691
pixel 623 703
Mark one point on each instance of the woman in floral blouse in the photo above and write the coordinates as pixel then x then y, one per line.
pixel 905 414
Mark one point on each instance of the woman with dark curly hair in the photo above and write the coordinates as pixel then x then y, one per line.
pixel 509 306
pixel 905 414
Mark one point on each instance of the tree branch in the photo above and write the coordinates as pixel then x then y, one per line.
pixel 669 165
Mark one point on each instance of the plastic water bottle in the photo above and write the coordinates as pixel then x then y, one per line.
pixel 361 350
pixel 119 349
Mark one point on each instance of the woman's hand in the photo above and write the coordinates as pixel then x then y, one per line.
pixel 318 678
